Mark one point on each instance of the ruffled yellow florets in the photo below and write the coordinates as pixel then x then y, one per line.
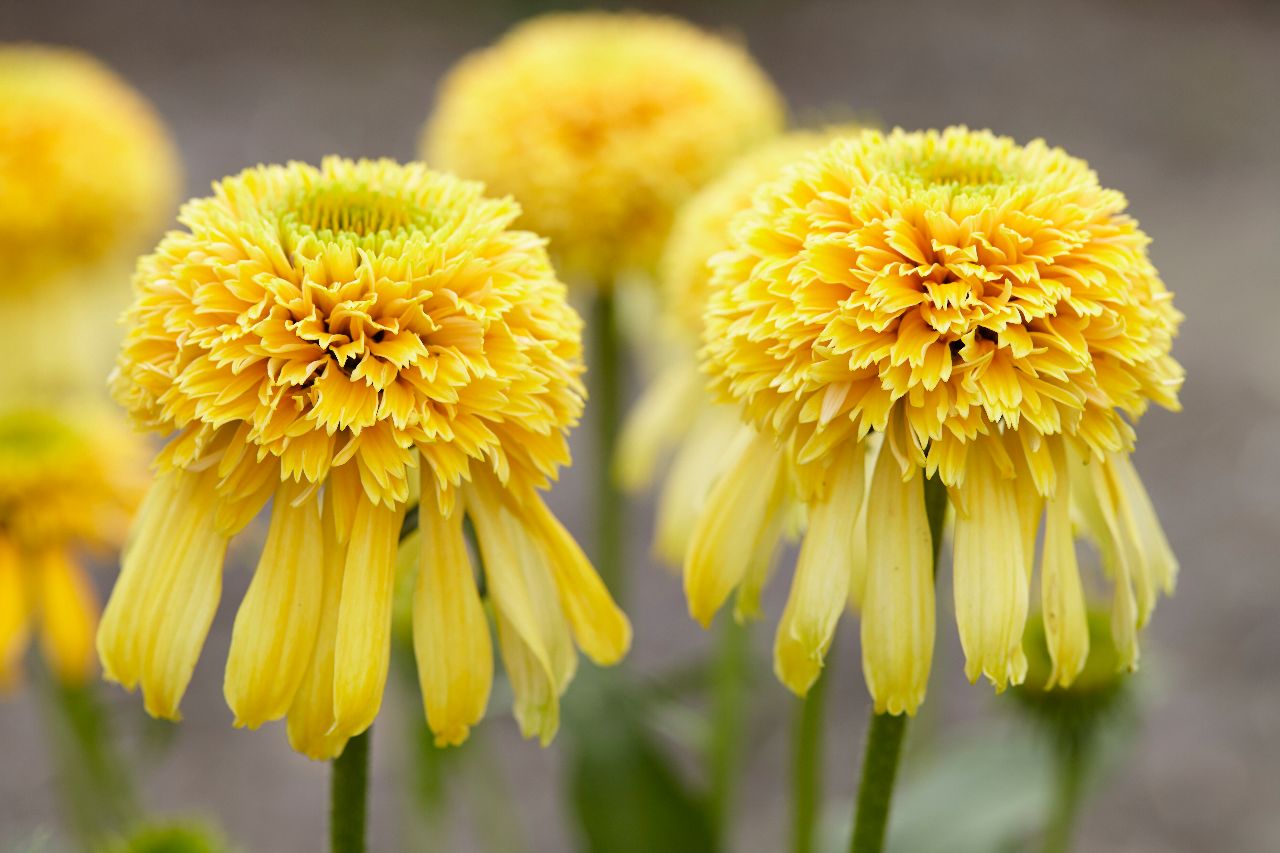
pixel 347 338
pixel 601 125
pixel 86 168
pixel 991 310
pixel 67 488
pixel 701 228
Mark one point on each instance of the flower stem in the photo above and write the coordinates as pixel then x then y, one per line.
pixel 729 685
pixel 349 796
pixel 97 789
pixel 806 763
pixel 885 732
pixel 1070 760
pixel 605 377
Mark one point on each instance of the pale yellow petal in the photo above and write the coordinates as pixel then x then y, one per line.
pixel 68 616
pixel 697 463
pixel 450 632
pixel 898 609
pixel 727 533
pixel 656 421
pixel 523 592
pixel 1148 530
pixel 599 626
pixel 1120 559
pixel 159 613
pixel 991 584
pixel 275 627
pixel 362 650
pixel 537 699
pixel 820 589
pixel 1066 621
pixel 311 714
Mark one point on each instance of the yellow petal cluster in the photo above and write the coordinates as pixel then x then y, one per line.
pixel 87 170
pixel 347 340
pixel 991 311
pixel 675 411
pixel 601 125
pixel 68 484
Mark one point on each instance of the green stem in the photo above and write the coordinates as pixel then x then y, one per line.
pixel 605 376
pixel 729 684
pixel 806 763
pixel 98 793
pixel 349 796
pixel 885 732
pixel 1070 759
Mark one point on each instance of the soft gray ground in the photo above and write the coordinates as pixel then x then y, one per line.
pixel 1175 103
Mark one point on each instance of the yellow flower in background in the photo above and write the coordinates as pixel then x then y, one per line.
pixel 988 309
pixel 87 170
pixel 675 409
pixel 601 125
pixel 68 483
pixel 345 339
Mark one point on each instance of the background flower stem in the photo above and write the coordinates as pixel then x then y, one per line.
pixel 1070 760
pixel 885 732
pixel 730 701
pixel 806 763
pixel 605 378
pixel 349 796
pixel 96 786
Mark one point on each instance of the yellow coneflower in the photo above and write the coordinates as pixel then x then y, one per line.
pixel 601 125
pixel 67 487
pixel 343 338
pixel 989 310
pixel 675 410
pixel 87 170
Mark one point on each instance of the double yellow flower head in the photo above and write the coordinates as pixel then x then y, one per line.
pixel 989 311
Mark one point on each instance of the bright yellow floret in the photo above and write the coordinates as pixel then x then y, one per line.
pixel 991 311
pixel 86 168
pixel 346 339
pixel 601 125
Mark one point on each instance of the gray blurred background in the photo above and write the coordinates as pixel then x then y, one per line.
pixel 1174 103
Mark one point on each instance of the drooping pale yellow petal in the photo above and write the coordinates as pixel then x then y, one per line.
pixel 1066 621
pixel 311 714
pixel 991 584
pixel 726 535
pixel 663 412
pixel 1149 533
pixel 599 626
pixel 898 613
pixel 537 699
pixel 15 616
pixel 450 632
pixel 520 583
pixel 68 616
pixel 362 650
pixel 694 469
pixel 820 589
pixel 1120 558
pixel 275 627
pixel 159 613
pixel 860 555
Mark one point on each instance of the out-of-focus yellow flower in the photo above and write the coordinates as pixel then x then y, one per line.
pixel 991 311
pixel 675 410
pixel 87 170
pixel 601 125
pixel 67 486
pixel 342 339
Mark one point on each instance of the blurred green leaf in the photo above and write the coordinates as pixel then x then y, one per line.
pixel 171 838
pixel 626 792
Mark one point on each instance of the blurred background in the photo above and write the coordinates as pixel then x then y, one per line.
pixel 1172 102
